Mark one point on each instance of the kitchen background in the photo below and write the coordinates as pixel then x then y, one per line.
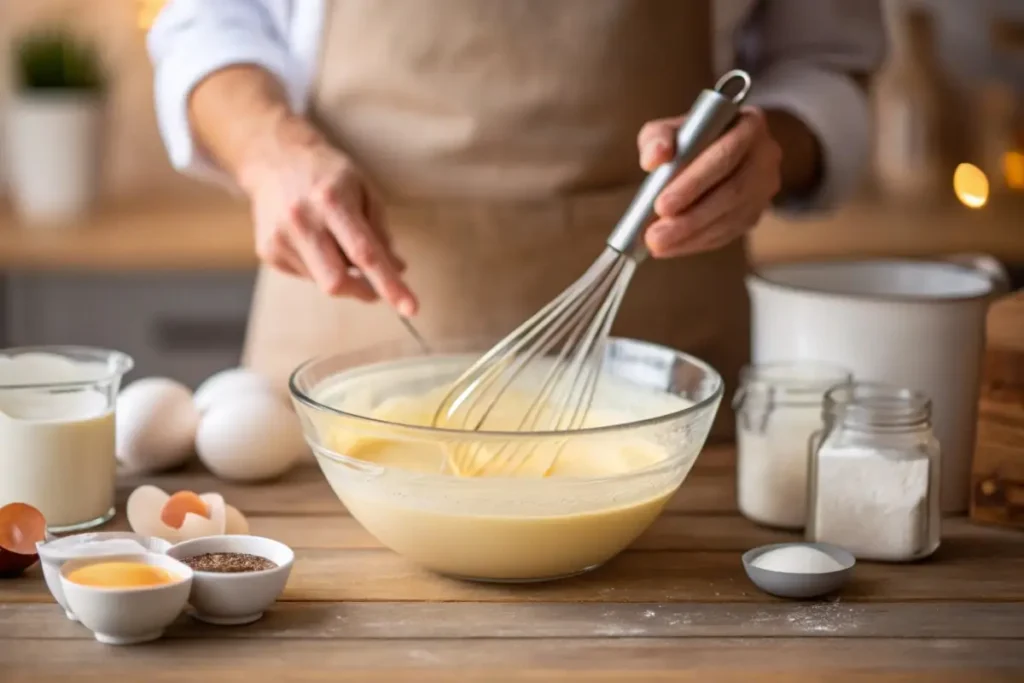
pixel 162 267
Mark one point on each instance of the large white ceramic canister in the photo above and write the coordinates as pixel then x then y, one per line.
pixel 917 324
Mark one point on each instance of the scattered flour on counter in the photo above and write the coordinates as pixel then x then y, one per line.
pixel 822 617
pixel 797 559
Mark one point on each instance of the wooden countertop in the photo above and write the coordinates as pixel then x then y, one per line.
pixel 677 606
pixel 216 234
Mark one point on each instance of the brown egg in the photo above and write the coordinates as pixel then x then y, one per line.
pixel 21 527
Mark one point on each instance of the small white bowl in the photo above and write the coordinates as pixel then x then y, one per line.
pixel 125 616
pixel 229 599
pixel 797 585
pixel 55 551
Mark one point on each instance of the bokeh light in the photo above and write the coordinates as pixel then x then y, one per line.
pixel 970 185
pixel 1013 169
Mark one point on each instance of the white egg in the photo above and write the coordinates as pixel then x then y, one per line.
pixel 230 384
pixel 156 424
pixel 250 438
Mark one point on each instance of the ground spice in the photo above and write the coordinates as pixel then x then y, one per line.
pixel 228 563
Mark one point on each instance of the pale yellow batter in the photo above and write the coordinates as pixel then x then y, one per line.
pixel 512 512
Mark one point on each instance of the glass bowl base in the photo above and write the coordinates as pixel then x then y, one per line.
pixel 540 579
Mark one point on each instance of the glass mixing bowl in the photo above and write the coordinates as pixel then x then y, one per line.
pixel 506 528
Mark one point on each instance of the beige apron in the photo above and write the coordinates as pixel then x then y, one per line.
pixel 503 138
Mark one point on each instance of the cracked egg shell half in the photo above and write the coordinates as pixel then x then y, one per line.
pixel 182 516
pixel 21 527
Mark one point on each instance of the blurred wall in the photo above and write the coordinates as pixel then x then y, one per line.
pixel 135 163
pixel 965 38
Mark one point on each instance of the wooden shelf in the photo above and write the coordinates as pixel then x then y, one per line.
pixel 210 235
pixel 869 229
pixel 217 235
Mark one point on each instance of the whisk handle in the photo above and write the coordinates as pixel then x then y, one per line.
pixel 709 117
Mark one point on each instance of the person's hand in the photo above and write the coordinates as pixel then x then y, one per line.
pixel 316 218
pixel 719 196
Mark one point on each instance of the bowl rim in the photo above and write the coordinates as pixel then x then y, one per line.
pixel 182 546
pixel 185 573
pixel 122 363
pixel 703 404
pixel 52 550
pixel 771 276
pixel 849 560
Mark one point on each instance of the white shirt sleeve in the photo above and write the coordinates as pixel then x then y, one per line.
pixel 191 39
pixel 800 54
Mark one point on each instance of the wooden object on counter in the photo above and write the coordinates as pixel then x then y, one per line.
pixel 998 466
pixel 676 606
pixel 217 235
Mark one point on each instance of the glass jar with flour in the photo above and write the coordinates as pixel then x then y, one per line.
pixel 875 474
pixel 778 407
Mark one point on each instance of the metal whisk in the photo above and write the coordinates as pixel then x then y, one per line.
pixel 566 338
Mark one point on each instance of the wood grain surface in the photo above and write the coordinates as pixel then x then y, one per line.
pixel 997 486
pixel 676 606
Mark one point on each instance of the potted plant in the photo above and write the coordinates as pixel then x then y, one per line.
pixel 53 127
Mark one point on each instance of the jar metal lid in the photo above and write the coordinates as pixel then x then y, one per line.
pixel 877 405
pixel 790 384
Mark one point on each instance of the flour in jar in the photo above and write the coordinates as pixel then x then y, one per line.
pixel 772 464
pixel 874 506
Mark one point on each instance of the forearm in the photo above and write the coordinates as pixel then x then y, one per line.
pixel 802 158
pixel 801 165
pixel 809 58
pixel 241 113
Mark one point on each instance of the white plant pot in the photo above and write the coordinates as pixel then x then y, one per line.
pixel 52 144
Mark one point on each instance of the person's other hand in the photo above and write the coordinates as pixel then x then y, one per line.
pixel 718 197
pixel 316 217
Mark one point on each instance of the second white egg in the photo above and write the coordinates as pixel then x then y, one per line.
pixel 250 438
pixel 228 385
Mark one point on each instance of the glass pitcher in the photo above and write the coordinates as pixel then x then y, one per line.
pixel 57 439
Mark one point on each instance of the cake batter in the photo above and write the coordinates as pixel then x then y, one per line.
pixel 490 508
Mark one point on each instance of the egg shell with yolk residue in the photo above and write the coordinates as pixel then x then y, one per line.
pixel 149 515
pixel 21 527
